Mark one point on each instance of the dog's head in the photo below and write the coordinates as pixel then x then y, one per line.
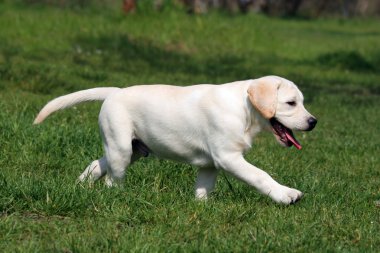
pixel 280 102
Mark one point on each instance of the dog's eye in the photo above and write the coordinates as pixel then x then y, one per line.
pixel 291 103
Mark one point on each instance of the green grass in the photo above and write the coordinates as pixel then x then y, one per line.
pixel 46 52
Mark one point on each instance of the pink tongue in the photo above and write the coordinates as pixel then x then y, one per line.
pixel 293 140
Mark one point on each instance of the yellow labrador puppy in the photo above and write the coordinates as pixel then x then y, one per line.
pixel 209 126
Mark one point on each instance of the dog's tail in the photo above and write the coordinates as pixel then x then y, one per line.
pixel 63 102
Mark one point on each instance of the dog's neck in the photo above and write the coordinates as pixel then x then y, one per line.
pixel 255 123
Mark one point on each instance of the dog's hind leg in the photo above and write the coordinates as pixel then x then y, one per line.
pixel 118 158
pixel 94 171
pixel 117 135
pixel 98 168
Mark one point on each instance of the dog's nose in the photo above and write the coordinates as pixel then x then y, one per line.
pixel 312 122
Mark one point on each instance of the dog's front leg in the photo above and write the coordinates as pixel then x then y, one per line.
pixel 265 184
pixel 205 182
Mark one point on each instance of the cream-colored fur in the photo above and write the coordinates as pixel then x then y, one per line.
pixel 209 126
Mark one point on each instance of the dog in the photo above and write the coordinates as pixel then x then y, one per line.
pixel 209 126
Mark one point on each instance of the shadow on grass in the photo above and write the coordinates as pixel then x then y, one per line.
pixel 122 53
pixel 143 55
pixel 346 60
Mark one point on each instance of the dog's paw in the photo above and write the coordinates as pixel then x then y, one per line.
pixel 201 194
pixel 285 195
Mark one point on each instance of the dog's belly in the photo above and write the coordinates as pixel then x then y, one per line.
pixel 169 144
pixel 194 158
pixel 181 151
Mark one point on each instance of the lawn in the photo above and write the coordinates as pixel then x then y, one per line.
pixel 46 52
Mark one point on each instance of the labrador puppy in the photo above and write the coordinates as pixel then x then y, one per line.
pixel 209 126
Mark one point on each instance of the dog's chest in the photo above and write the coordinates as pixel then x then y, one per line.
pixel 249 134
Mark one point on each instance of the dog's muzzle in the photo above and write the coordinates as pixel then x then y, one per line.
pixel 312 122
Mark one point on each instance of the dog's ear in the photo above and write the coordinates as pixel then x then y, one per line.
pixel 263 95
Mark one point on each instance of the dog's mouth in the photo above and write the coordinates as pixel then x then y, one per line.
pixel 283 134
